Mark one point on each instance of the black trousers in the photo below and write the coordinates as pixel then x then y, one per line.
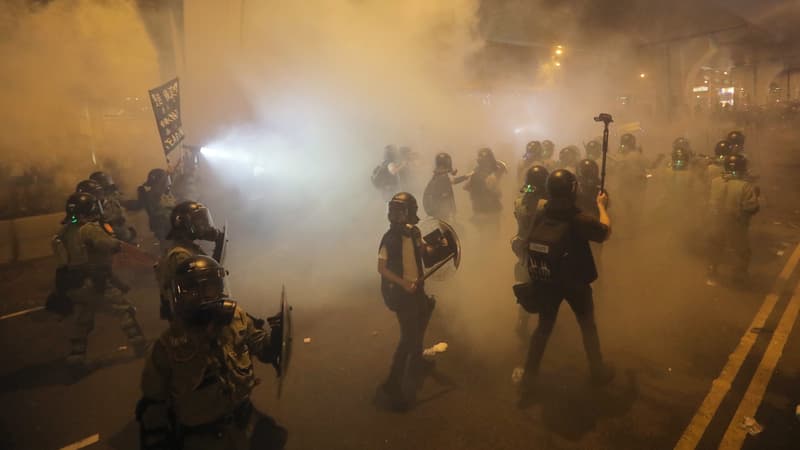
pixel 413 313
pixel 579 298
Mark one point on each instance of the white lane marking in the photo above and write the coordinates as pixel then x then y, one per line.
pixel 734 435
pixel 722 384
pixel 85 442
pixel 21 313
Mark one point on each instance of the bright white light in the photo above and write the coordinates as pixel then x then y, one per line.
pixel 559 51
pixel 642 75
pixel 558 64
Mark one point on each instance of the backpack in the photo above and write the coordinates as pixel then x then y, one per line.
pixel 382 178
pixel 548 249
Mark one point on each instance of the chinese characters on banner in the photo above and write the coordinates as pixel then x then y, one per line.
pixel 166 103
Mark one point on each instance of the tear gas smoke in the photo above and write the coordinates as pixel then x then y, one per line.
pixel 76 85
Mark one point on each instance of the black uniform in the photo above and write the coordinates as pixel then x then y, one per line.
pixel 576 289
pixel 413 310
pixel 570 280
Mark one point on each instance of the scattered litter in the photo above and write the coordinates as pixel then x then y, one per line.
pixel 441 347
pixel 122 348
pixel 779 253
pixel 307 340
pixel 516 375
pixel 750 425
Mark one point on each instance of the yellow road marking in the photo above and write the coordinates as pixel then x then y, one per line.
pixel 734 435
pixel 722 384
pixel 85 442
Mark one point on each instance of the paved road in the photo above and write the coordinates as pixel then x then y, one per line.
pixel 668 334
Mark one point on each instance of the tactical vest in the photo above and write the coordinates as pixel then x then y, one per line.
pixel 209 376
pixel 69 248
pixel 393 242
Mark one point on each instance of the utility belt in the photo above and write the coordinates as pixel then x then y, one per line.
pixel 239 418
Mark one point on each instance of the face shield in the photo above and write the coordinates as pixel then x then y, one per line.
pixel 201 299
pixel 200 223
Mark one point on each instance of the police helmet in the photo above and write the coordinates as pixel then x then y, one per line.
pixel 91 187
pixel 535 179
pixel 562 185
pixel 594 150
pixel 192 220
pixel 158 178
pixel 534 151
pixel 403 209
pixel 736 165
pixel 443 162
pixel 722 149
pixel 627 143
pixel 390 153
pixel 681 143
pixel 588 172
pixel 486 159
pixel 736 139
pixel 568 156
pixel 548 148
pixel 104 180
pixel 198 292
pixel 82 206
pixel 680 159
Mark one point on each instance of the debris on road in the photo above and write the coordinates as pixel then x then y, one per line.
pixel 307 340
pixel 441 347
pixel 779 253
pixel 752 427
pixel 516 375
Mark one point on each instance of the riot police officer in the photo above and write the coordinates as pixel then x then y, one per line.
pixel 717 167
pixel 386 175
pixel 533 197
pixel 438 198
pixel 732 203
pixel 113 211
pixel 736 141
pixel 483 186
pixel 564 270
pixel 568 158
pixel 199 374
pixel 84 251
pixel 400 264
pixel 594 150
pixel 549 149
pixel 631 174
pixel 588 176
pixel 534 155
pixel 156 198
pixel 683 144
pixel 190 221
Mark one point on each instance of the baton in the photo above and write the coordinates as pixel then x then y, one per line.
pixel 606 119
